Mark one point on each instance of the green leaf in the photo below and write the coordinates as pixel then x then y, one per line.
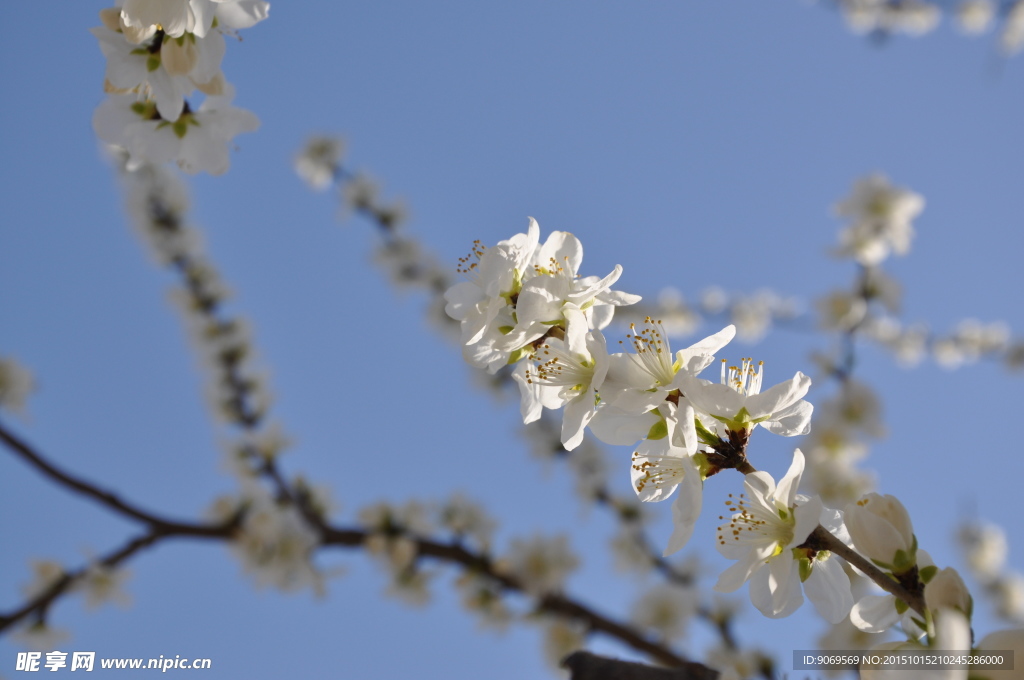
pixel 519 354
pixel 902 607
pixel 153 63
pixel 928 573
pixel 805 569
pixel 659 430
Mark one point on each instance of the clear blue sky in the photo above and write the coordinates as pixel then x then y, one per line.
pixel 694 143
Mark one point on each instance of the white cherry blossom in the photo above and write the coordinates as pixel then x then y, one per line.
pixel 739 404
pixel 565 374
pixel 952 634
pixel 483 304
pixel 768 522
pixel 881 216
pixel 167 71
pixel 178 17
pixel 659 467
pixel 640 382
pixel 198 140
pixel 881 529
pixel 552 285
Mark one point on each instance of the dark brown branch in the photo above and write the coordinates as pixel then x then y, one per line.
pixel 41 602
pixel 24 451
pixel 550 603
pixel 161 529
pixel 587 666
pixel 822 539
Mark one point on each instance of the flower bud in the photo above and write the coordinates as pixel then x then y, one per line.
pixel 881 530
pixel 179 55
pixel 947 590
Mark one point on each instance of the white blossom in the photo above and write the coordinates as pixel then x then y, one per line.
pixel 975 16
pixel 464 517
pixel 40 636
pixel 914 17
pixel 178 17
pixel 16 384
pixel 984 549
pixel 739 404
pixel 319 160
pixel 552 287
pixel 952 633
pixel 946 590
pixel 166 72
pixel 276 545
pixel 643 387
pixel 766 524
pixel 101 584
pixel 881 531
pixel 841 310
pixel 565 374
pixel 1008 593
pixel 1006 640
pixel 561 638
pixel 198 140
pixel 880 217
pixel 1012 38
pixel 541 564
pixel 666 609
pixel 45 574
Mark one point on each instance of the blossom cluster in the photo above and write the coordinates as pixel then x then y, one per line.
pixel 99 584
pixel 753 314
pixel 985 549
pixel 526 304
pixel 159 53
pixel 274 542
pixel 918 17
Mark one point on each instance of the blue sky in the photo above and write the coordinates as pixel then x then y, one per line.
pixel 695 143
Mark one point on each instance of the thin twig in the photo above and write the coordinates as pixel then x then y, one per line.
pixel 22 449
pixel 822 539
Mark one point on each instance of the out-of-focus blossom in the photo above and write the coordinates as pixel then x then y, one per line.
pixel 16 384
pixel 197 140
pixel 880 216
pixel 984 549
pixel 913 17
pixel 102 584
pixel 975 16
pixel 1012 38
pixel 319 161
pixel 666 609
pixel 541 563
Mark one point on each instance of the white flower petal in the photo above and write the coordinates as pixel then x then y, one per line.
pixel 874 613
pixel 785 493
pixel 779 397
pixel 828 587
pixel 686 508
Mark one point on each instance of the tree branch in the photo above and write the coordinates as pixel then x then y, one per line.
pixel 551 603
pixel 41 602
pixel 587 666
pixel 160 529
pixel 24 451
pixel 822 539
